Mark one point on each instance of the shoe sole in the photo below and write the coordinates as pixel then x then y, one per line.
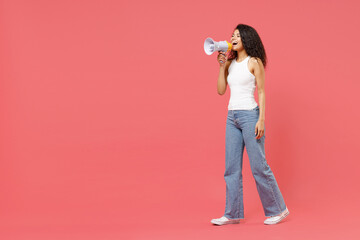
pixel 280 219
pixel 224 223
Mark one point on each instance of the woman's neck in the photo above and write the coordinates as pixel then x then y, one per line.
pixel 241 55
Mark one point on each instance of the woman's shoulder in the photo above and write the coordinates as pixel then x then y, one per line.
pixel 255 60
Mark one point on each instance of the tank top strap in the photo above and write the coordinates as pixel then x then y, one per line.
pixel 246 62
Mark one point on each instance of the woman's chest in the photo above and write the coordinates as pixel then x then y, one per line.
pixel 239 74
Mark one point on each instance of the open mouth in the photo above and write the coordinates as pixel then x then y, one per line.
pixel 235 43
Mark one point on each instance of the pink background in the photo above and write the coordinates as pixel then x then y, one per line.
pixel 111 125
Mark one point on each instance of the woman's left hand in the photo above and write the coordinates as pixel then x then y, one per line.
pixel 259 129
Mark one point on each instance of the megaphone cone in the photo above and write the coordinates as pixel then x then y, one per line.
pixel 210 46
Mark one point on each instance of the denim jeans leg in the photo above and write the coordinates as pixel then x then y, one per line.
pixel 267 187
pixel 234 148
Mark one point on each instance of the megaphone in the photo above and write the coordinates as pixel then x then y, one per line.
pixel 210 46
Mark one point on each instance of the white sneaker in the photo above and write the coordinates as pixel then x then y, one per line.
pixel 224 220
pixel 277 218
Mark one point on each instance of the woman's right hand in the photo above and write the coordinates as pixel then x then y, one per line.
pixel 222 58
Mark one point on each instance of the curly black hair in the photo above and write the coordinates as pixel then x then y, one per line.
pixel 251 42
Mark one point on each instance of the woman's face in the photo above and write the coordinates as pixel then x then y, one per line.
pixel 236 41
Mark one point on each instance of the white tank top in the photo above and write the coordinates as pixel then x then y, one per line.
pixel 242 86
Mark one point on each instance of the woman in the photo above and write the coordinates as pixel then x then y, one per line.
pixel 243 70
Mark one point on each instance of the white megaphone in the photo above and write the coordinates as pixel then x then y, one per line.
pixel 210 46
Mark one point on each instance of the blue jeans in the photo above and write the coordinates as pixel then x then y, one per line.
pixel 240 132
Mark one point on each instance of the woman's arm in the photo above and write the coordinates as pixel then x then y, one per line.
pixel 222 79
pixel 259 73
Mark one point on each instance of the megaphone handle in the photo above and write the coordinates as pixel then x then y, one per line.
pixel 224 55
